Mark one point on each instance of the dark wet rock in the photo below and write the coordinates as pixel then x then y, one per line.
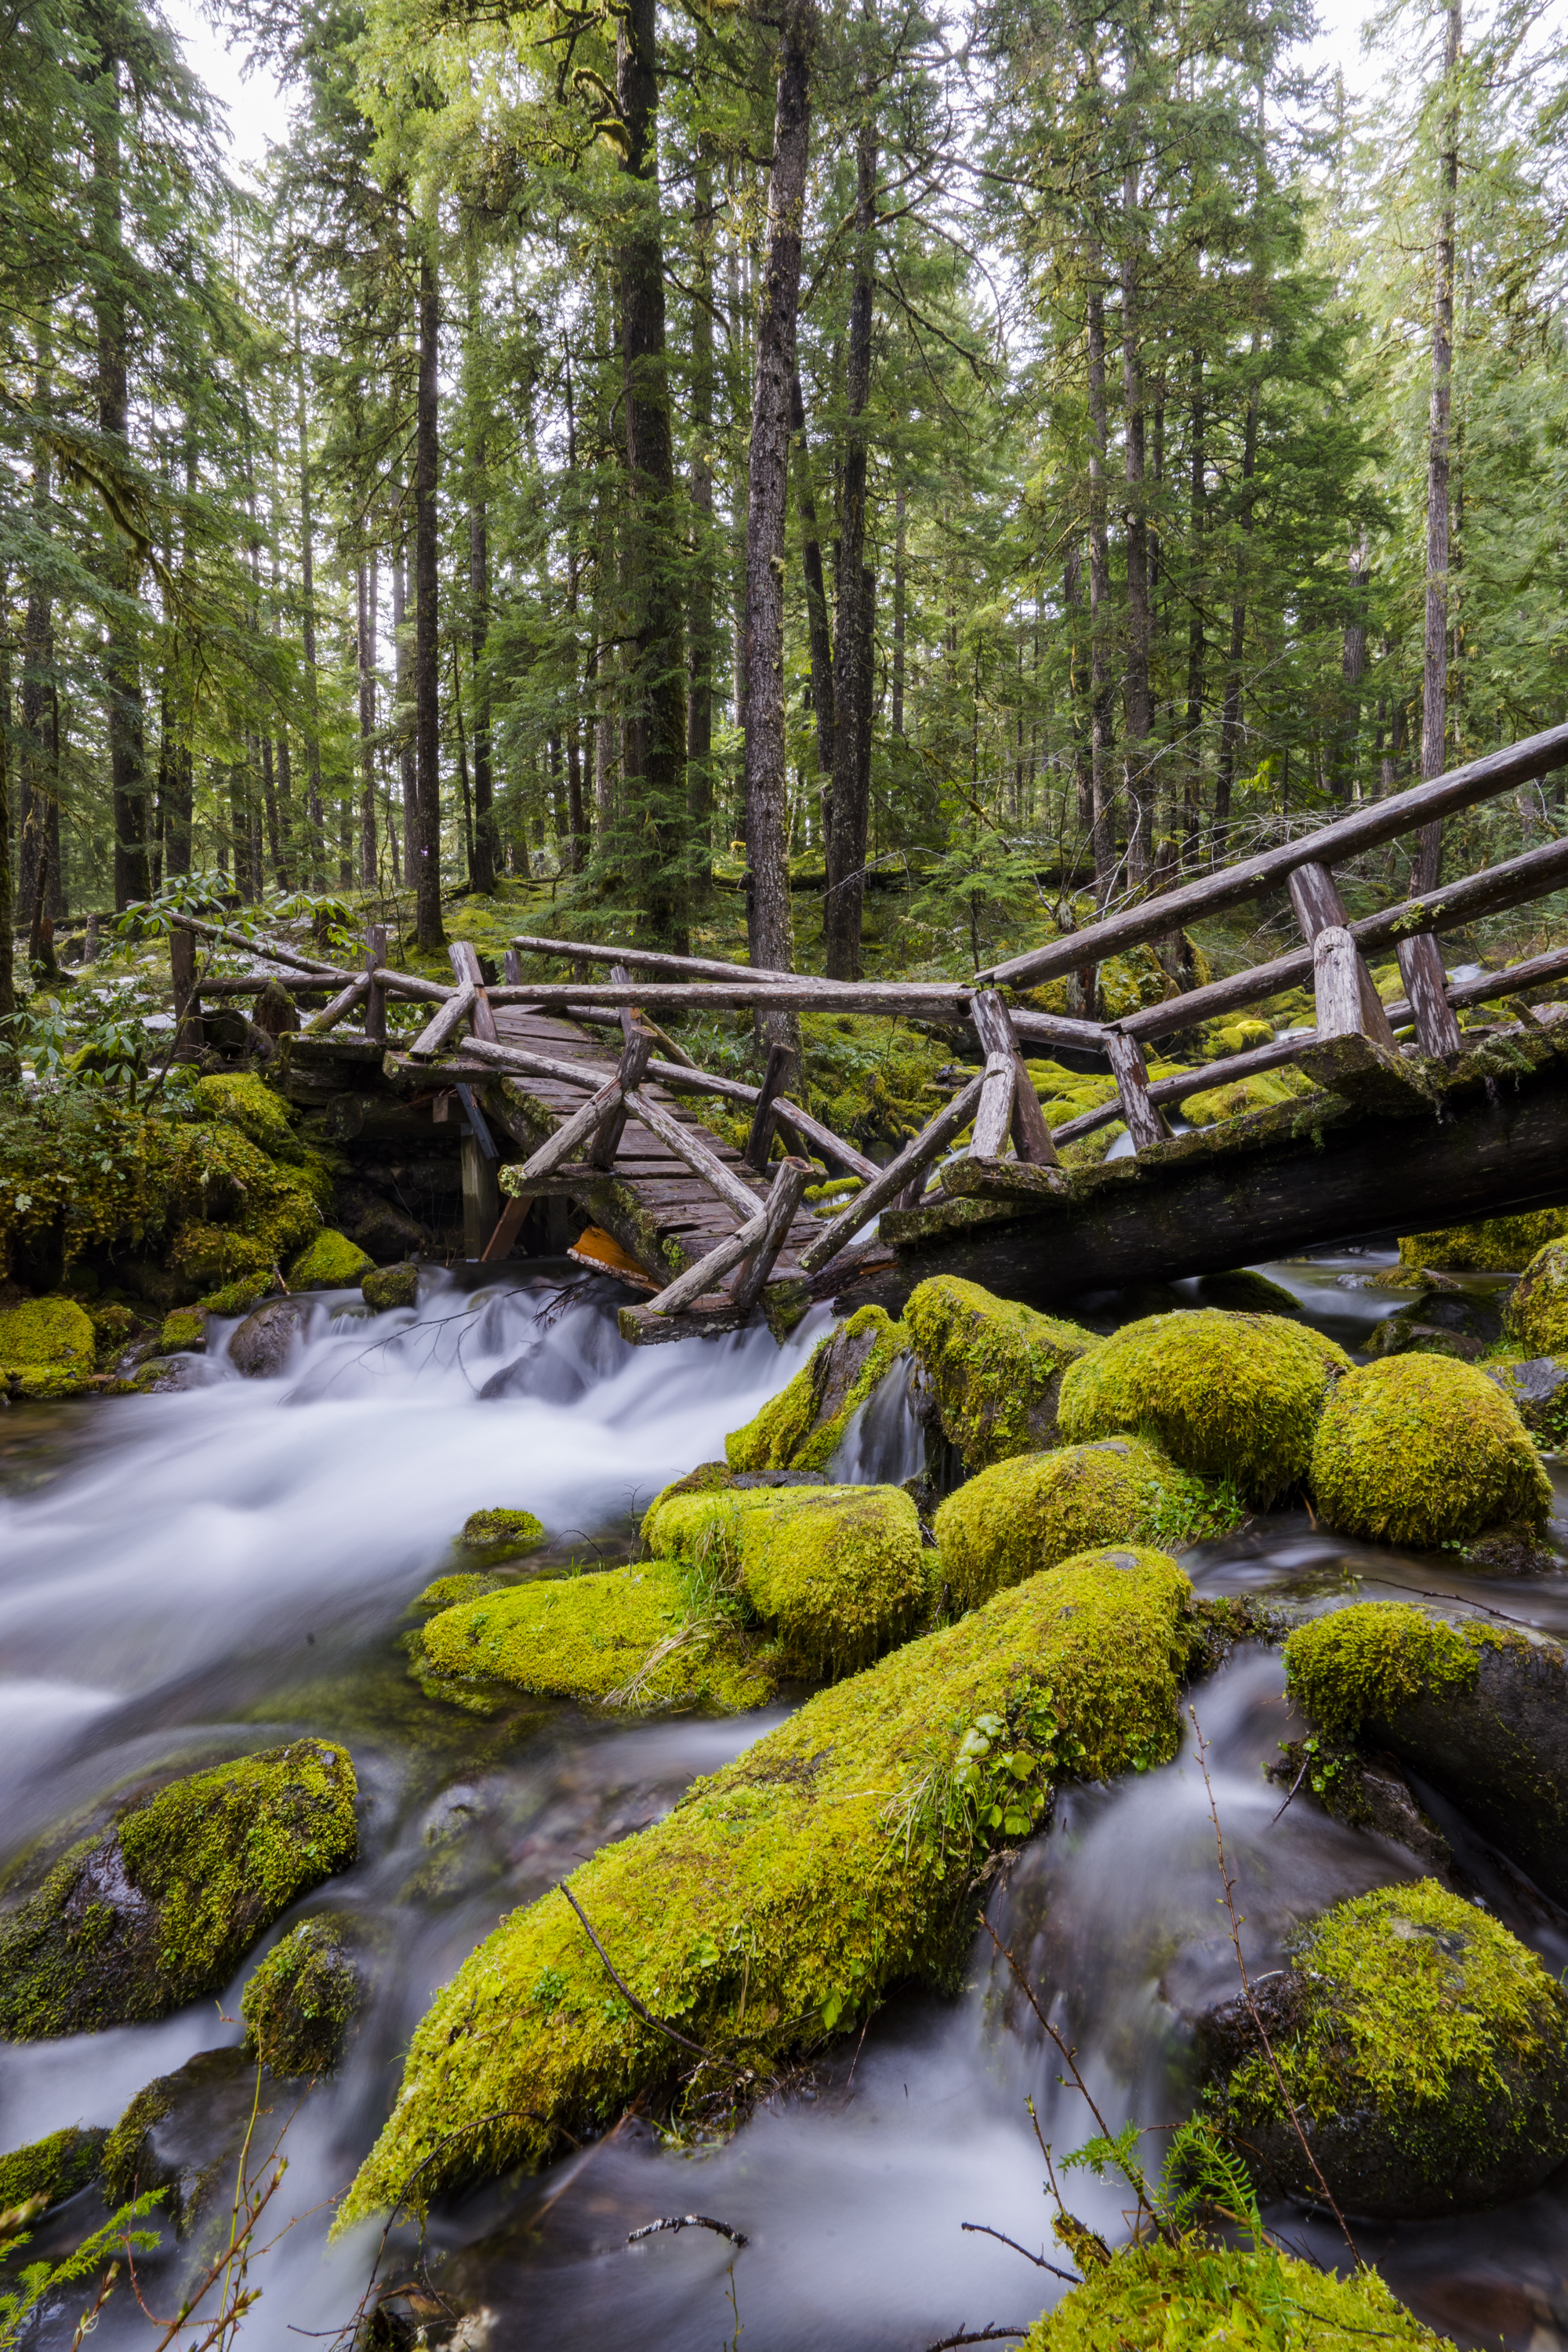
pixel 183 2135
pixel 260 1348
pixel 391 1285
pixel 1448 1322
pixel 158 1376
pixel 1512 1550
pixel 1538 1386
pixel 300 2004
pixel 1423 2049
pixel 49 2171
pixel 1367 1792
pixel 1242 1292
pixel 163 1907
pixel 537 1372
pixel 383 1230
pixel 1477 1708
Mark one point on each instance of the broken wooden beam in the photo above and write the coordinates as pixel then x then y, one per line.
pixel 890 1181
pixel 790 1180
pixel 702 1160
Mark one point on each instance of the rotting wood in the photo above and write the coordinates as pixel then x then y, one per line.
pixel 994 1028
pixel 1223 1073
pixel 636 1054
pixel 375 1001
pixel 1315 896
pixel 342 1003
pixel 1336 982
pixel 780 1062
pixel 572 1133
pixel 448 1018
pixel 684 1142
pixel 790 1180
pixel 465 959
pixel 916 1155
pixel 1425 985
pixel 1145 1121
pixel 994 1112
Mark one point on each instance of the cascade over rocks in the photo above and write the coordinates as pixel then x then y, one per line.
pixel 802 1427
pixel 260 1348
pixel 49 2169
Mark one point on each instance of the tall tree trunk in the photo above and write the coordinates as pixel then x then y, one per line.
pixel 900 593
pixel 818 629
pixel 848 810
pixel 269 807
pixel 121 658
pixel 1101 785
pixel 1435 663
pixel 365 592
pixel 316 842
pixel 7 894
pixel 1230 714
pixel 482 867
pixel 403 711
pixel 1078 684
pixel 1137 770
pixel 1352 670
pixel 657 826
pixel 1192 765
pixel 703 648
pixel 426 859
pixel 769 933
pixel 40 778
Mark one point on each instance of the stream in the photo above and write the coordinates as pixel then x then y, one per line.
pixel 185 1578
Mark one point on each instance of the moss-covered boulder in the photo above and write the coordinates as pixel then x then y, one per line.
pixel 501 1534
pixel 386 1286
pixel 1032 1513
pixel 1535 1320
pixel 163 1907
pixel 184 1332
pixel 801 1428
pixel 300 2004
pixel 1422 1450
pixel 331 1263
pixel 994 1367
pixel 636 1638
pixel 1492 1246
pixel 1188 2294
pixel 1479 1709
pixel 1438 1323
pixel 1423 2049
pixel 1242 1291
pixel 48 1347
pixel 49 2171
pixel 249 1104
pixel 1537 1388
pixel 785 1895
pixel 1227 1396
pixel 182 2134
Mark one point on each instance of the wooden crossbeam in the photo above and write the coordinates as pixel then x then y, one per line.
pixel 343 1002
pixel 890 1180
pixel 790 1181
pixel 699 1158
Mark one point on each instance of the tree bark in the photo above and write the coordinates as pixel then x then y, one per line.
pixel 426 863
pixel 901 591
pixel 1434 662
pixel 1192 766
pixel 847 809
pixel 315 855
pixel 702 655
pixel 1102 788
pixel 365 614
pixel 818 627
pixel 121 657
pixel 1353 671
pixel 1140 714
pixel 1230 715
pixel 482 867
pixel 40 776
pixel 403 709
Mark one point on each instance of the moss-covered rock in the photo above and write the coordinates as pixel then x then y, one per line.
pixel 1244 1292
pixel 1479 1709
pixel 48 1347
pixel 497 1535
pixel 1492 1246
pixel 1035 1511
pixel 628 1637
pixel 1424 2052
pixel 1535 1320
pixel 331 1263
pixel 801 1428
pixel 1438 1323
pixel 301 2001
pixel 994 1368
pixel 249 1104
pixel 465 1584
pixel 786 1893
pixel 157 1376
pixel 1227 1396
pixel 49 2170
pixel 386 1287
pixel 1537 1388
pixel 1424 1449
pixel 182 2134
pixel 183 1332
pixel 163 1907
pixel 1194 2296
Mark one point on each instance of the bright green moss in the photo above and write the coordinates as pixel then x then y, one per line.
pixel 1243 1094
pixel 1038 1509
pixel 497 1535
pixel 449 1591
pixel 163 1907
pixel 1365 1664
pixel 300 2002
pixel 1536 1317
pixel 386 1287
pixel 629 1637
pixel 1494 1245
pixel 802 1427
pixel 1424 1449
pixel 249 1104
pixel 679 1516
pixel 833 1859
pixel 48 1347
pixel 331 1263
pixel 996 1368
pixel 49 2170
pixel 1228 1396
pixel 1192 2296
pixel 185 1329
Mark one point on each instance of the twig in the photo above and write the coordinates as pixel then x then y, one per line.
pixel 1294 1786
pixel 707 2056
pixel 687 2221
pixel 1229 1883
pixel 983 2229
pixel 985 2336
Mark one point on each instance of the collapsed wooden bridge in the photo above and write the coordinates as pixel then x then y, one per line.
pixel 1435 1129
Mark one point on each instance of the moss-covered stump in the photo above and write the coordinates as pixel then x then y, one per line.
pixel 300 2003
pixel 1536 1317
pixel 1493 1246
pixel 1438 1323
pixel 788 1892
pixel 386 1286
pixel 1424 1449
pixel 163 1907
pixel 1227 1396
pixel 49 2171
pixel 628 1637
pixel 501 1534
pixel 1423 2049
pixel 994 1368
pixel 331 1263
pixel 1537 1388
pixel 802 1427
pixel 1243 1292
pixel 838 1574
pixel 1038 1509
pixel 48 1348
pixel 1192 2294
pixel 1479 1709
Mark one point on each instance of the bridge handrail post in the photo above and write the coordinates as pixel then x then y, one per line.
pixel 1146 1123
pixel 1315 896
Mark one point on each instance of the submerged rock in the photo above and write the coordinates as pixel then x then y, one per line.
pixel 49 2171
pixel 1243 1292
pixel 995 1366
pixel 260 1348
pixel 182 2134
pixel 1478 1709
pixel 1168 2295
pixel 1536 1317
pixel 1038 1509
pixel 300 2003
pixel 1438 1323
pixel 1227 1396
pixel 788 1892
pixel 801 1428
pixel 498 1535
pixel 163 1907
pixel 331 1262
pixel 1423 2049
pixel 1422 1450
pixel 386 1287
pixel 48 1348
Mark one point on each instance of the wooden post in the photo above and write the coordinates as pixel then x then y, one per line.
pixel 1336 981
pixel 993 1113
pixel 994 1026
pixel 784 1200
pixel 512 968
pixel 635 1056
pixel 375 1003
pixel 774 1079
pixel 1425 984
pixel 508 1227
pixel 466 964
pixel 189 1035
pixel 1315 896
pixel 1145 1122
pixel 712 1267
pixel 482 1199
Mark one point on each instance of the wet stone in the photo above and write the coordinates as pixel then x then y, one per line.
pixel 1448 1322
pixel 260 1348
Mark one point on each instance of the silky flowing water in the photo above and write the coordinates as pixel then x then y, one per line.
pixel 185 1578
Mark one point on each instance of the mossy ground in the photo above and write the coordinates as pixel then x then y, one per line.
pixel 1036 1510
pixel 1536 1317
pixel 1424 1449
pixel 1244 1094
pixel 48 1347
pixel 1365 1663
pixel 1226 1396
pixel 802 1427
pixel 163 1907
pixel 301 2001
pixel 786 1894
pixel 1493 1246
pixel 1194 2296
pixel 995 1367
